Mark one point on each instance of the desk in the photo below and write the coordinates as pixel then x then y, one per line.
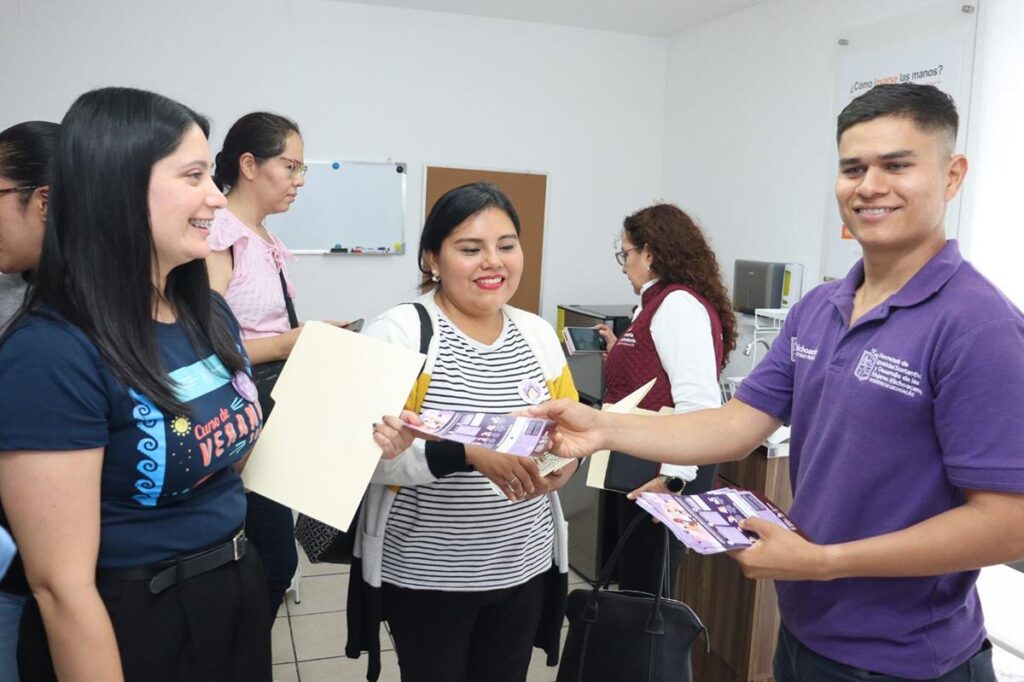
pixel 741 614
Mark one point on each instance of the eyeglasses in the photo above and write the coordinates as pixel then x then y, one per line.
pixel 12 190
pixel 620 256
pixel 295 167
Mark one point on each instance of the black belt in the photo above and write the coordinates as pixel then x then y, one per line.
pixel 169 573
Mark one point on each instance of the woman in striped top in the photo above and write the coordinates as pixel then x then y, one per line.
pixel 468 555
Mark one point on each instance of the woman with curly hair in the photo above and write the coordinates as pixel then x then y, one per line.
pixel 682 332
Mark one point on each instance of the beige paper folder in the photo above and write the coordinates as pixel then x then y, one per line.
pixel 317 453
pixel 599 460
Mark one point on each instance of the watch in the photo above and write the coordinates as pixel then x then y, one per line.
pixel 674 483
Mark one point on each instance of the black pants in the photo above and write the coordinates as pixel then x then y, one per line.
pixel 213 627
pixel 270 527
pixel 464 636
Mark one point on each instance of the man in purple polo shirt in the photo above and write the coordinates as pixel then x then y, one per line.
pixel 904 386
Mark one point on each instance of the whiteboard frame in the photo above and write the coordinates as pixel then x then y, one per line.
pixel 405 209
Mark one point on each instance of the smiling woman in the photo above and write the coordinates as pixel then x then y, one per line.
pixel 467 559
pixel 131 540
pixel 480 265
pixel 181 203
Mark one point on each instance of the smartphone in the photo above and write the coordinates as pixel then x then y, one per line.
pixel 354 325
pixel 583 340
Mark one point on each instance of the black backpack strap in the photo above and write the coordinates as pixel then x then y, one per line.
pixel 426 327
pixel 443 457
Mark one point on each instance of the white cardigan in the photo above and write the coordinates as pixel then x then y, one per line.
pixel 401 325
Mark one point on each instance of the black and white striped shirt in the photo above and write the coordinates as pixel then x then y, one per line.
pixel 457 533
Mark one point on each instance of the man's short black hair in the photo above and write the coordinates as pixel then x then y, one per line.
pixel 929 107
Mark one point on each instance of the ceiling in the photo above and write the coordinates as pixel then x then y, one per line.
pixel 644 17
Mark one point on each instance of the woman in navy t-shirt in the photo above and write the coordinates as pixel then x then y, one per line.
pixel 125 406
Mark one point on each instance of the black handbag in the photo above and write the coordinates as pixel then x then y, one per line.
pixel 636 636
pixel 325 543
pixel 265 374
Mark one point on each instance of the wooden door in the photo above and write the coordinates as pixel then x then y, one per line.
pixel 528 193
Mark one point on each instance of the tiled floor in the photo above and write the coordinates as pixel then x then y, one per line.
pixel 309 637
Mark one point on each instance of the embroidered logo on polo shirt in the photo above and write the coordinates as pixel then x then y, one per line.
pixel 866 364
pixel 627 339
pixel 798 351
pixel 888 372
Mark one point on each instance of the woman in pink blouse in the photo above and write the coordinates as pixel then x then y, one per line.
pixel 260 169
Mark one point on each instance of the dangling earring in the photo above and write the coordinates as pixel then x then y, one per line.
pixel 433 277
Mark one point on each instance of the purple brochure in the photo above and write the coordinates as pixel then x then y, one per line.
pixel 523 436
pixel 709 523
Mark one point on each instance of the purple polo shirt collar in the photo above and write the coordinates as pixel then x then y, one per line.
pixel 926 283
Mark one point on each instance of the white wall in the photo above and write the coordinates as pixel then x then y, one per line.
pixel 749 129
pixel 992 228
pixel 369 83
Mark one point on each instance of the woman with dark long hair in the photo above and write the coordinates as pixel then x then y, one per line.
pixel 682 332
pixel 125 403
pixel 25 151
pixel 461 549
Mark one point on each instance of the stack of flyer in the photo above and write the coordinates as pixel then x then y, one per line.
pixel 709 523
pixel 523 436
pixel 512 435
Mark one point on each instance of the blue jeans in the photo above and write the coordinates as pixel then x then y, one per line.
pixel 11 606
pixel 796 663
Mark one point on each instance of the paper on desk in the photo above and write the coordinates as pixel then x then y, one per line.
pixel 317 453
pixel 599 460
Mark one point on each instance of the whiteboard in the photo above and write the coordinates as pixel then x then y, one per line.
pixel 346 207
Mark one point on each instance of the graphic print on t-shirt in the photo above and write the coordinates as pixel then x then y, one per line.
pixel 179 452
